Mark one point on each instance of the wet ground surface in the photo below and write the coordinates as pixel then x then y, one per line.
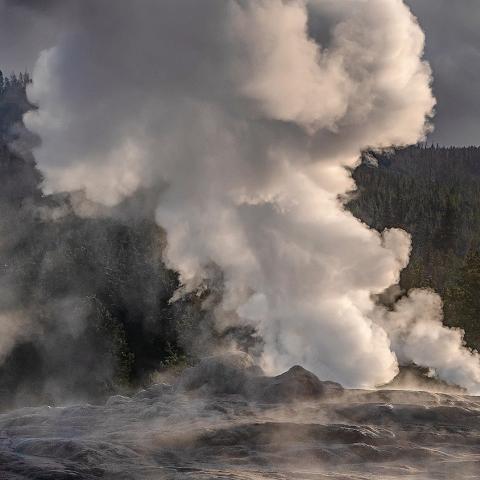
pixel 168 432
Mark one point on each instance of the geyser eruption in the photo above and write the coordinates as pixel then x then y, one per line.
pixel 248 112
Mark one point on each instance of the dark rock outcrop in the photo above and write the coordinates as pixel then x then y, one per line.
pixel 296 384
pixel 237 374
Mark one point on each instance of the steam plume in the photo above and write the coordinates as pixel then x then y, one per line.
pixel 248 111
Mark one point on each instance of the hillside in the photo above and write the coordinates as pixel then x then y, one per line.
pixel 85 290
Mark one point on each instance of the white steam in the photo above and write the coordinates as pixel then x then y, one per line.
pixel 417 335
pixel 249 110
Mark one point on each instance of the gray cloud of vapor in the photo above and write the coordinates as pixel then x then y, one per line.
pixel 249 111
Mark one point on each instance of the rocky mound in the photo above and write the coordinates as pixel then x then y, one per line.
pixel 237 374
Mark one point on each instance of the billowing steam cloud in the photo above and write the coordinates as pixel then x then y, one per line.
pixel 417 335
pixel 248 111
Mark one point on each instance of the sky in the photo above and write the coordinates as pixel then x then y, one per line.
pixel 453 50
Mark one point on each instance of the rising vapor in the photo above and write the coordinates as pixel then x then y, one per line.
pixel 248 112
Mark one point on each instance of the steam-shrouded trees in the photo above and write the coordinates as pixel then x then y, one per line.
pixel 84 293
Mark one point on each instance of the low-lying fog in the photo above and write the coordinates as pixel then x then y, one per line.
pixel 224 420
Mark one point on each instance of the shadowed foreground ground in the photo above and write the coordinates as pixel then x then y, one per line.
pixel 224 420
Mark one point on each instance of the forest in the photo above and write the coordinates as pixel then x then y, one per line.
pixel 88 291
